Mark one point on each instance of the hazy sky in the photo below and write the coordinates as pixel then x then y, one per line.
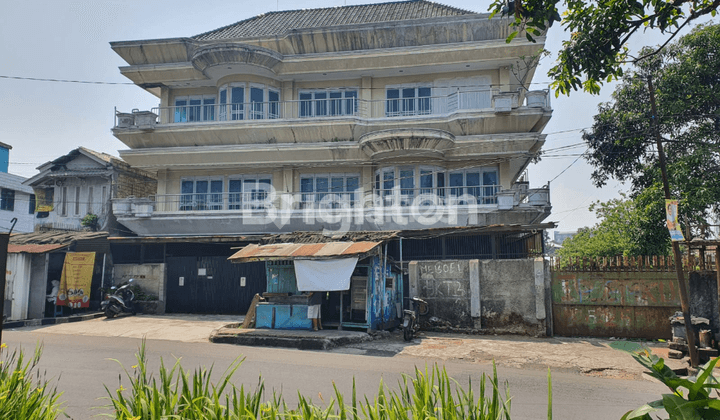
pixel 58 39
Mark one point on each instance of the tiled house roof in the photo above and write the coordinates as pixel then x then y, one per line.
pixel 278 23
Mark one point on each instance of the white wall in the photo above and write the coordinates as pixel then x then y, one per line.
pixel 21 209
pixel 18 284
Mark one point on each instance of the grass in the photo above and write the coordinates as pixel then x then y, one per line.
pixel 25 392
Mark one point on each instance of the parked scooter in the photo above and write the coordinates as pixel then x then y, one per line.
pixel 121 300
pixel 411 319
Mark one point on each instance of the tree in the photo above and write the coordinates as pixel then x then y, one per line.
pixel 600 31
pixel 621 231
pixel 621 142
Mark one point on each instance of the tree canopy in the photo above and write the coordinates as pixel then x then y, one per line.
pixel 600 31
pixel 621 141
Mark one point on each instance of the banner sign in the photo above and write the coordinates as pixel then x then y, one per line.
pixel 44 198
pixel 76 280
pixel 671 216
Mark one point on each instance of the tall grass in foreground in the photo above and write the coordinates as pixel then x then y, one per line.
pixel 25 393
pixel 179 394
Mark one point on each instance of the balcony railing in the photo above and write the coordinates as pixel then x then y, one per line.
pixel 488 99
pixel 264 200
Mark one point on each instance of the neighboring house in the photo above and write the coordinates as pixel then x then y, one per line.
pixel 405 116
pixel 17 201
pixel 84 182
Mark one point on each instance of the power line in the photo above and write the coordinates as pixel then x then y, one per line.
pixel 87 82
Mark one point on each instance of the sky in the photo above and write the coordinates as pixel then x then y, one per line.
pixel 69 40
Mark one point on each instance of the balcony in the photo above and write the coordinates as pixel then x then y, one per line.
pixel 265 211
pixel 204 113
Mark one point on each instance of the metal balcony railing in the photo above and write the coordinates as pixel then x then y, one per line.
pixel 267 199
pixel 316 109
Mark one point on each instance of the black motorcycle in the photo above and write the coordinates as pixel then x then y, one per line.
pixel 120 300
pixel 411 317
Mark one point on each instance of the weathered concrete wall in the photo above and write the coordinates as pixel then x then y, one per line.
pixel 38 286
pixel 150 277
pixel 509 296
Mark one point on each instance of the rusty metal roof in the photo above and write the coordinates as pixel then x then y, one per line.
pixel 289 251
pixel 33 248
pixel 281 22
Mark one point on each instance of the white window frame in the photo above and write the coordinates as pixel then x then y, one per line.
pixel 199 201
pixel 402 104
pixel 257 199
pixel 247 109
pixel 345 101
pixel 406 196
pixel 314 198
pixel 482 198
pixel 204 111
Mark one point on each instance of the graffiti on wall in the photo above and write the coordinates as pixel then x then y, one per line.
pixel 443 279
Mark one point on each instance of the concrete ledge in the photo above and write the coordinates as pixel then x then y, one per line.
pixel 299 339
pixel 51 321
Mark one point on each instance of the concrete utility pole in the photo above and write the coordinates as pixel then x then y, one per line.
pixel 684 302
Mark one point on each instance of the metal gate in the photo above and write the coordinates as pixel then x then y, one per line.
pixel 212 285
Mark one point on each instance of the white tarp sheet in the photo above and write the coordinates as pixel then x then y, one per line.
pixel 324 275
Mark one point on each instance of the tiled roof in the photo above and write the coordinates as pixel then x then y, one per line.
pixel 278 23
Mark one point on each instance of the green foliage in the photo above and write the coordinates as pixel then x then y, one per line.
pixel 625 228
pixel 24 392
pixel 429 394
pixel 690 398
pixel 600 31
pixel 90 220
pixel 140 294
pixel 622 139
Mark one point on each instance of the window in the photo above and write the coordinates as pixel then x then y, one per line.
pixel 31 208
pixel 201 194
pixel 336 190
pixel 402 101
pixel 77 201
pixel 482 184
pixel 256 102
pixel 249 192
pixel 407 185
pixel 7 199
pixel 90 200
pixel 331 102
pixel 63 202
pixel 194 108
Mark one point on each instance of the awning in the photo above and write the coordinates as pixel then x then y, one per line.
pixel 316 251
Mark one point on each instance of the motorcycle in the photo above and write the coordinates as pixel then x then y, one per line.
pixel 121 300
pixel 411 317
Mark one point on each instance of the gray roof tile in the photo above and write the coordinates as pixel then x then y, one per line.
pixel 278 23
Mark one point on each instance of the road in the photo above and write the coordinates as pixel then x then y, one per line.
pixel 83 366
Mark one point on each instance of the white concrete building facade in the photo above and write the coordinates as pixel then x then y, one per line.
pixel 391 116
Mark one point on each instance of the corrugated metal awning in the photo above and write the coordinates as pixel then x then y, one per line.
pixel 288 251
pixel 34 248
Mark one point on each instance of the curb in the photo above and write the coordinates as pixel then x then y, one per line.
pixel 300 343
pixel 51 321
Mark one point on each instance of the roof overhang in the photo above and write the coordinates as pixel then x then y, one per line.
pixel 314 251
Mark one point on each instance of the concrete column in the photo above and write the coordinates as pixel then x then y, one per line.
pixel 366 97
pixel 539 268
pixel 504 79
pixel 475 292
pixel 504 174
pixel 414 276
pixel 287 108
pixel 287 188
pixel 366 184
pixel 164 101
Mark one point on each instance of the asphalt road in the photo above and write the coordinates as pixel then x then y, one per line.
pixel 82 365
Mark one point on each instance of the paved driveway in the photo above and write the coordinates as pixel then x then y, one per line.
pixel 185 328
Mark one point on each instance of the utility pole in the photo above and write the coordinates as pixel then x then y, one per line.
pixel 4 241
pixel 684 302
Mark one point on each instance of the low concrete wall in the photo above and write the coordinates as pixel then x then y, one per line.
pixel 150 278
pixel 503 296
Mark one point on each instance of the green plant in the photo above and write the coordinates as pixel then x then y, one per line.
pixel 694 402
pixel 90 220
pixel 140 294
pixel 24 392
pixel 429 394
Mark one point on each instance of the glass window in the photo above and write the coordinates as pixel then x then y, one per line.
pixel 338 190
pixel 90 200
pixel 223 104
pixel 490 181
pixel 256 103
pixel 31 208
pixel 235 194
pixel 249 193
pixel 408 101
pixel 328 103
pixel 201 194
pixel 209 109
pixel 7 199
pixel 63 201
pixel 180 110
pixel 237 108
pixel 407 186
pixel 195 108
pixel 274 104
